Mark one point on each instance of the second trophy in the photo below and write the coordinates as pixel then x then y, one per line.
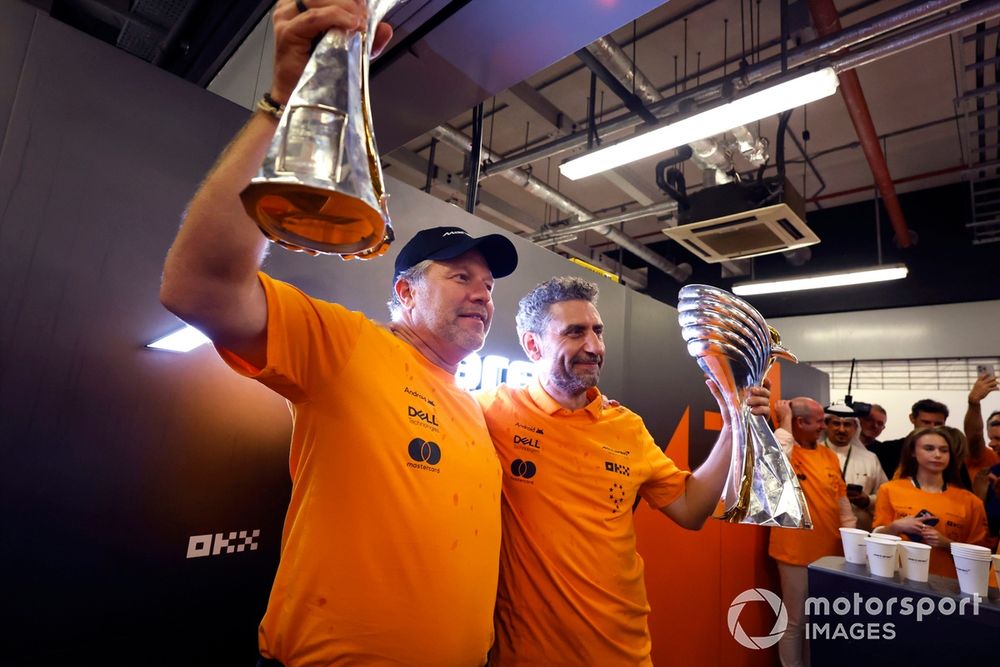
pixel 735 347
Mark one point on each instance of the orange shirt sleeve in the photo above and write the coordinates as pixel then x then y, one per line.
pixel 978 529
pixel 303 334
pixel 666 481
pixel 884 514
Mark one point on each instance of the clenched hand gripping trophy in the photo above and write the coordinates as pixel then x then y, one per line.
pixel 320 188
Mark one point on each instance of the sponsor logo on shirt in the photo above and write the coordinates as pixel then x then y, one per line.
pixel 526 441
pixel 425 454
pixel 417 394
pixel 422 418
pixel 523 470
pixel 611 466
pixel 619 452
pixel 617 495
pixel 526 427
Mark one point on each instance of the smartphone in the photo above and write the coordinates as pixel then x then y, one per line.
pixel 855 488
pixel 984 370
pixel 931 520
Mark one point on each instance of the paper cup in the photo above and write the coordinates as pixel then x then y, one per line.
pixel 916 560
pixel 888 536
pixel 973 574
pixel 854 545
pixel 882 558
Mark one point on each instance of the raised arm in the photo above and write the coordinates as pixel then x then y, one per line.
pixel 209 277
pixel 704 487
pixel 973 423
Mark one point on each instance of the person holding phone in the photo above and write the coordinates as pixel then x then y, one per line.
pixel 981 458
pixel 859 468
pixel 926 503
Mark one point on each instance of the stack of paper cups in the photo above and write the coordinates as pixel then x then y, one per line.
pixel 916 560
pixel 881 555
pixel 973 565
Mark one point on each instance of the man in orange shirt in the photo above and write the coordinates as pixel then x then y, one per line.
pixel 818 469
pixel 389 553
pixel 571 583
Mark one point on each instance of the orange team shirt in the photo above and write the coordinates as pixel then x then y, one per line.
pixel 571 583
pixel 962 516
pixel 390 545
pixel 986 459
pixel 818 471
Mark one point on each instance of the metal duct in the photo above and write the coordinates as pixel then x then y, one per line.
pixel 679 272
pixel 706 92
pixel 654 209
pixel 706 152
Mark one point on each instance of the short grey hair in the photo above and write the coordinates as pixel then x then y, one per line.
pixel 414 276
pixel 533 309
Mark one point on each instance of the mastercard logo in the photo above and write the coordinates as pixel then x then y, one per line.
pixel 424 451
pixel 525 469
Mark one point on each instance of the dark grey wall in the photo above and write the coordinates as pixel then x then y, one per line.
pixel 804 380
pixel 116 455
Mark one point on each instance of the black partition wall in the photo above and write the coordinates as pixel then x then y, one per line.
pixel 144 490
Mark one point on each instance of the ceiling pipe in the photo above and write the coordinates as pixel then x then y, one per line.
pixel 707 153
pixel 679 272
pixel 827 22
pixel 660 208
pixel 852 36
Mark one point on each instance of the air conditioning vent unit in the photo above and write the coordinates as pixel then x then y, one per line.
pixel 741 220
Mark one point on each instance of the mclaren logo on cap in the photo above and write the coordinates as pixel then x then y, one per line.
pixel 456 231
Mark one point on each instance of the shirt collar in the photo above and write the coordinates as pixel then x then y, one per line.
pixel 550 406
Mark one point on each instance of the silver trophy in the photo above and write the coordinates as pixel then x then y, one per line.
pixel 735 347
pixel 320 188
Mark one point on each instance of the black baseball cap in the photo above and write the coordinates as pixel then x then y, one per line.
pixel 450 242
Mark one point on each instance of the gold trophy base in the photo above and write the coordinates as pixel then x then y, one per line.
pixel 317 221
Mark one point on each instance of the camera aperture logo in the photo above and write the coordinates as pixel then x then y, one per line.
pixel 757 595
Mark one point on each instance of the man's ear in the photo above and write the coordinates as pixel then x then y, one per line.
pixel 404 292
pixel 530 345
pixel 913 420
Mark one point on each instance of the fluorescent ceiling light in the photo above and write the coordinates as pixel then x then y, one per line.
pixel 183 340
pixel 762 104
pixel 861 276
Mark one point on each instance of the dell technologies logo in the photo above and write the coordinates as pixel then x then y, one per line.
pixel 425 454
pixel 428 417
pixel 526 441
pixel 214 545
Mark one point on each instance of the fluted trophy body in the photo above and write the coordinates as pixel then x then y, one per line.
pixel 735 347
pixel 320 188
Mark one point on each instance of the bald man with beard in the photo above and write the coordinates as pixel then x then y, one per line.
pixel 802 422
